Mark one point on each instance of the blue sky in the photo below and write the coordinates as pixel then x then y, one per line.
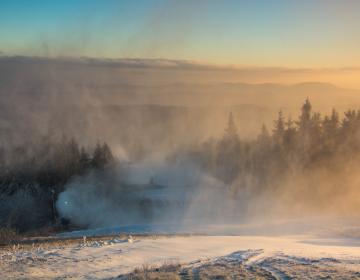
pixel 313 33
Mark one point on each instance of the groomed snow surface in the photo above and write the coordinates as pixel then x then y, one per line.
pixel 286 257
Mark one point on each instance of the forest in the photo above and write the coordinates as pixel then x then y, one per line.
pixel 308 163
pixel 33 175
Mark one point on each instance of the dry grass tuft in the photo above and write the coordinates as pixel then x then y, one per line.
pixel 167 271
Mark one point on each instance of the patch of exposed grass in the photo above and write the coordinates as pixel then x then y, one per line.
pixel 168 271
pixel 207 271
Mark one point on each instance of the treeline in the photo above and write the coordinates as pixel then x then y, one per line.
pixel 32 176
pixel 314 158
pixel 312 147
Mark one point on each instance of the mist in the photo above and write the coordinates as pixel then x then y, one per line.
pixel 172 139
pixel 151 192
pixel 162 99
pixel 167 124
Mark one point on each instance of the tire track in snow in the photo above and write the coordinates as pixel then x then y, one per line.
pixel 260 259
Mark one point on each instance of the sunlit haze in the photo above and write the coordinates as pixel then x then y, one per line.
pixel 179 139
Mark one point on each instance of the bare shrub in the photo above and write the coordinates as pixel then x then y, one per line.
pixel 8 235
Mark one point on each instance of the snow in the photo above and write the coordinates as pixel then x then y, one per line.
pixel 115 256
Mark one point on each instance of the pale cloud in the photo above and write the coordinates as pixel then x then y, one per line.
pixel 167 71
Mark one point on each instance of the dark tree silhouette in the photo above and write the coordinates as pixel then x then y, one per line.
pixel 228 151
pixel 39 173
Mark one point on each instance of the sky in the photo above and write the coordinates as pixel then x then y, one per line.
pixel 261 33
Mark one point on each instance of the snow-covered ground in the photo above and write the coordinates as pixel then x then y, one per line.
pixel 284 257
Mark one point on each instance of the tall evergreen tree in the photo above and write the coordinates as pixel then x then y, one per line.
pixel 231 130
pixel 279 128
pixel 229 152
pixel 305 116
pixel 102 156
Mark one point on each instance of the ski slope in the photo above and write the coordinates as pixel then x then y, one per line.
pixel 284 257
